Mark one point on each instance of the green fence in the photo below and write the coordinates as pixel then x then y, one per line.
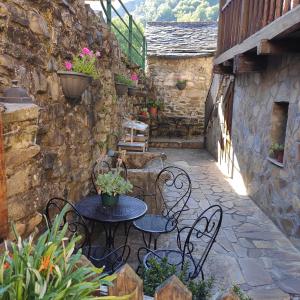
pixel 129 34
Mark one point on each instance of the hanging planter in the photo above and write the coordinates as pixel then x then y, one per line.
pixel 122 83
pixel 74 84
pixel 181 84
pixel 133 91
pixel 79 74
pixel 121 89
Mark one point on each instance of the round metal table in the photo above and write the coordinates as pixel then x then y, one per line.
pixel 128 209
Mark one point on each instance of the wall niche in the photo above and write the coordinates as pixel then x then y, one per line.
pixel 278 132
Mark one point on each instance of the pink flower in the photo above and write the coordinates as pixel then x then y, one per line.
pixel 86 51
pixel 68 65
pixel 98 54
pixel 134 77
pixel 81 55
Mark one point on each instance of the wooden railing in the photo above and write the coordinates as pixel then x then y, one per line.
pixel 239 19
pixel 129 283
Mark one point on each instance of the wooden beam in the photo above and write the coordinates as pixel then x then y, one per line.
pixel 266 47
pixel 245 63
pixel 277 27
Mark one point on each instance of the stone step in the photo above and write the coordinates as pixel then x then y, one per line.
pixel 196 142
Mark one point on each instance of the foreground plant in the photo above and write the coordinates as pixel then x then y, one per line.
pixel 162 270
pixel 49 269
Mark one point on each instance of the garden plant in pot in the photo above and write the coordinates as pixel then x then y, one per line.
pixel 144 113
pixel 277 151
pixel 154 106
pixel 122 83
pixel 79 74
pixel 132 88
pixel 181 84
pixel 112 185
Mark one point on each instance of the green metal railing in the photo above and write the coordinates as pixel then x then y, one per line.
pixel 131 38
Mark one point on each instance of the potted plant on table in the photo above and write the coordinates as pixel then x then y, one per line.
pixel 277 151
pixel 154 106
pixel 111 185
pixel 79 74
pixel 121 84
pixel 181 84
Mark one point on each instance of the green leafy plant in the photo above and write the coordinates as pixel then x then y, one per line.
pixel 49 269
pixel 113 184
pixel 84 63
pixel 155 103
pixel 161 271
pixel 237 290
pixel 119 78
pixel 180 81
pixel 276 147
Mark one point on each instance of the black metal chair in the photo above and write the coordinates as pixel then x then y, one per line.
pixel 194 244
pixel 176 183
pixel 112 259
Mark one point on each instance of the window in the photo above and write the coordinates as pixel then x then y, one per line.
pixel 278 132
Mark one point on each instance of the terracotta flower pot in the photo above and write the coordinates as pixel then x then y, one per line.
pixel 153 112
pixel 121 89
pixel 181 85
pixel 108 200
pixel 279 156
pixel 133 91
pixel 144 114
pixel 74 84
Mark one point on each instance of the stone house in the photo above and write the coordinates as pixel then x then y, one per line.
pixel 181 51
pixel 254 103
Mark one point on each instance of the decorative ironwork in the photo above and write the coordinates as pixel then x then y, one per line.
pixel 171 181
pixel 112 259
pixel 194 244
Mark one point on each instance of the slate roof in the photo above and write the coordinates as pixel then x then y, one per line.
pixel 181 39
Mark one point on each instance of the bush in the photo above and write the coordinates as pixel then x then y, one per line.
pixel 161 271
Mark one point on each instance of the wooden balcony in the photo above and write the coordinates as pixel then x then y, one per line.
pixel 243 24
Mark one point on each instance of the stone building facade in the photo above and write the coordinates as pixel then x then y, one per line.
pixel 50 145
pixel 181 51
pixel 257 118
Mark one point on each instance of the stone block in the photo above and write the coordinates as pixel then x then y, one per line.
pixel 20 112
pixel 38 24
pixel 19 182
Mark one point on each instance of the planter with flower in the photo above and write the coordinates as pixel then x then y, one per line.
pixel 144 113
pixel 79 74
pixel 112 185
pixel 121 84
pixel 277 152
pixel 154 106
pixel 181 84
pixel 133 90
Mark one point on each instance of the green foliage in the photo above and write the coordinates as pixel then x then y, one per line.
pixel 181 81
pixel 161 271
pixel 123 80
pixel 137 39
pixel 48 269
pixel 155 103
pixel 275 147
pixel 237 290
pixel 86 65
pixel 113 184
pixel 176 10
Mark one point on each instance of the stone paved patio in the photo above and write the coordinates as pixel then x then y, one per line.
pixel 250 250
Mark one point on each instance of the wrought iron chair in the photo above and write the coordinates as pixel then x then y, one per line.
pixel 98 256
pixel 194 244
pixel 177 183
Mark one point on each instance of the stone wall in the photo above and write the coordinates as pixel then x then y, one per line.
pixel 51 146
pixel 190 101
pixel 275 188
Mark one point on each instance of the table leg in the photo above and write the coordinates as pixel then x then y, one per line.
pixel 110 231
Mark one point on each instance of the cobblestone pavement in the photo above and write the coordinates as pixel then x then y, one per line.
pixel 250 250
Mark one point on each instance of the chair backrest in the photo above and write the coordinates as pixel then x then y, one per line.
pixel 76 223
pixel 200 238
pixel 173 185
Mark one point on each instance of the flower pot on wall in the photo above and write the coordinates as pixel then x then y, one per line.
pixel 133 91
pixel 153 112
pixel 74 84
pixel 279 156
pixel 121 89
pixel 109 200
pixel 181 85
